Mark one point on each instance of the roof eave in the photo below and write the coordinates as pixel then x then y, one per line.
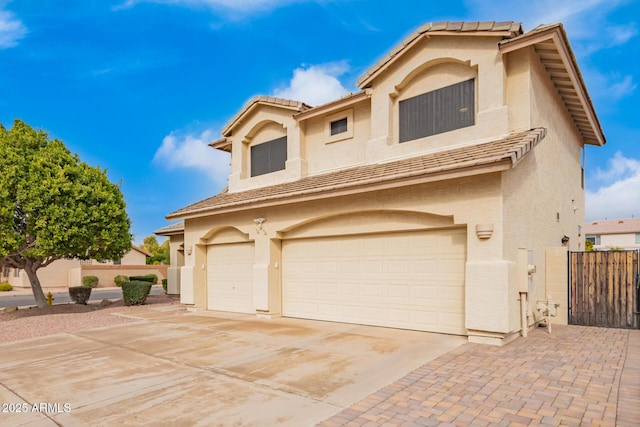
pixel 343 102
pixel 257 101
pixel 556 34
pixel 222 144
pixel 347 189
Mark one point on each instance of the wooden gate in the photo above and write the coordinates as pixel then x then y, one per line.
pixel 603 289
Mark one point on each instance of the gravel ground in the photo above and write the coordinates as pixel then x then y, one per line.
pixel 60 318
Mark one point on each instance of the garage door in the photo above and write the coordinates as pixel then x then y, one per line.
pixel 229 277
pixel 404 280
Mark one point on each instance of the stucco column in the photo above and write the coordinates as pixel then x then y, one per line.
pixel 266 275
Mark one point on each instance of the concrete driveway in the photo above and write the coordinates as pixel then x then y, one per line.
pixel 205 369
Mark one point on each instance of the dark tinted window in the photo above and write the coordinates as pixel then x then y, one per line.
pixel 269 156
pixel 442 110
pixel 339 126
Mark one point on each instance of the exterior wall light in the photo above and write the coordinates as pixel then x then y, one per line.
pixel 484 231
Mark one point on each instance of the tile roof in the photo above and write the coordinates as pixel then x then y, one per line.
pixel 267 100
pixel 141 250
pixel 506 151
pixel 613 226
pixel 170 229
pixel 507 28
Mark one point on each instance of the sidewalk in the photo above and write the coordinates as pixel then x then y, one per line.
pixel 574 377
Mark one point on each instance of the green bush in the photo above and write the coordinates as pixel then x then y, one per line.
pixel 90 281
pixel 5 287
pixel 146 278
pixel 80 294
pixel 154 277
pixel 120 279
pixel 164 285
pixel 135 292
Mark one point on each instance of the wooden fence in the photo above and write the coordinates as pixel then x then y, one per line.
pixel 604 289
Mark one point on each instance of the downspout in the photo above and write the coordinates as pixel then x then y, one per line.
pixel 522 270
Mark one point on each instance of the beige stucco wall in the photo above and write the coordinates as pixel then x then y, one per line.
pixel 262 124
pixel 133 257
pixel 431 64
pixel 106 273
pixel 66 272
pixel 625 241
pixel 324 153
pixel 459 202
pixel 543 198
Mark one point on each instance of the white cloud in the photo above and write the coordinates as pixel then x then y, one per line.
pixel 246 6
pixel 315 85
pixel 618 194
pixel 11 29
pixel 192 151
pixel 623 88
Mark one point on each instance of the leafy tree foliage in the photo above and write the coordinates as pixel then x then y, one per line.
pixel 160 252
pixel 54 206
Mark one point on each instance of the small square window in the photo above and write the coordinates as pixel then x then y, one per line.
pixel 339 126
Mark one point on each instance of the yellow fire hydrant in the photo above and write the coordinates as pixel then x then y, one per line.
pixel 50 298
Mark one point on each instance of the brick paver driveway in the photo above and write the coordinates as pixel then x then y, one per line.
pixel 575 376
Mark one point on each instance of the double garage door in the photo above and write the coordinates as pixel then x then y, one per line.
pixel 405 280
pixel 412 280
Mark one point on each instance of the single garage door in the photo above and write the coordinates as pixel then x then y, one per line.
pixel 229 277
pixel 409 280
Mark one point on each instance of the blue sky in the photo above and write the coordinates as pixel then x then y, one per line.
pixel 139 87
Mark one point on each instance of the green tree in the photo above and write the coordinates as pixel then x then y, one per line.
pixel 54 206
pixel 160 252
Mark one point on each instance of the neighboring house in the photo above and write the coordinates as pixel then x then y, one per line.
pixel 606 234
pixel 420 202
pixel 69 272
pixel 175 233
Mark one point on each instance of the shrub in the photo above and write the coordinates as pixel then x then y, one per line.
pixel 154 277
pixel 5 287
pixel 142 278
pixel 164 285
pixel 120 279
pixel 80 294
pixel 90 281
pixel 135 292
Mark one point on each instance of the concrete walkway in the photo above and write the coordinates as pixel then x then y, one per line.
pixel 577 376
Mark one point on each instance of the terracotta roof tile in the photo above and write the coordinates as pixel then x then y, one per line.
pixel 509 149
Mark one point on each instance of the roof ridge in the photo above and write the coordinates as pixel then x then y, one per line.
pixel 450 28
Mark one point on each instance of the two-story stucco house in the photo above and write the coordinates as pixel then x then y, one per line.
pixel 410 203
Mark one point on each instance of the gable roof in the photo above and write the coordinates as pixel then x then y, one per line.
pixel 613 226
pixel 492 156
pixel 551 44
pixel 142 251
pixel 504 29
pixel 253 103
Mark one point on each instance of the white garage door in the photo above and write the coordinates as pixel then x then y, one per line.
pixel 229 277
pixel 404 280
